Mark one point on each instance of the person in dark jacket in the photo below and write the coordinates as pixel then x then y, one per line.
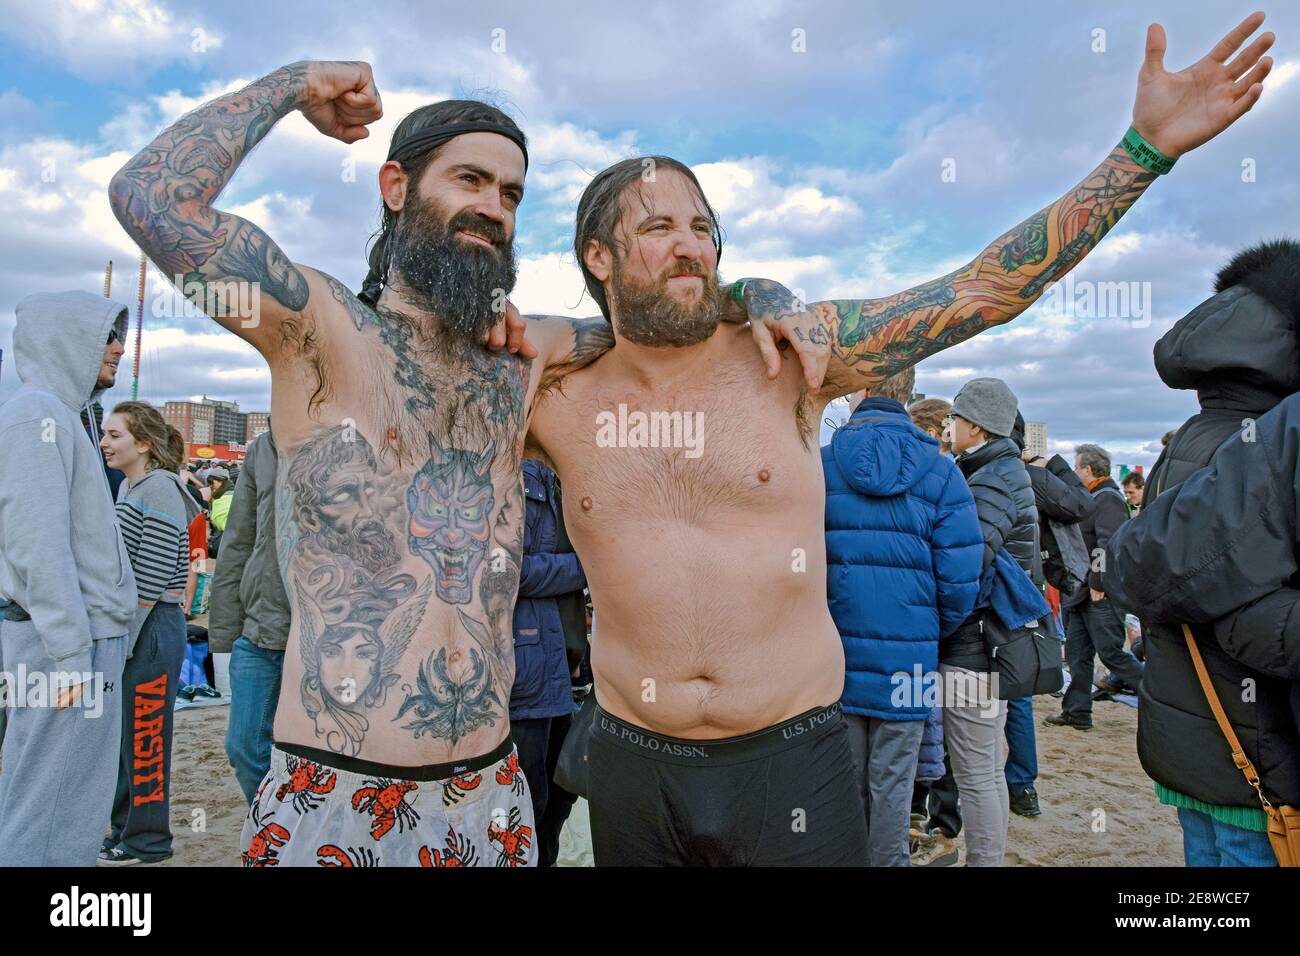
pixel 1134 485
pixel 1062 500
pixel 1219 550
pixel 249 615
pixel 974 719
pixel 541 701
pixel 903 550
pixel 1093 627
pixel 1240 350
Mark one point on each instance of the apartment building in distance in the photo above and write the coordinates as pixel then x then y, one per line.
pixel 212 421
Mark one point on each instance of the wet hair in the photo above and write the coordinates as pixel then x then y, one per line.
pixel 1135 479
pixel 1095 458
pixel 435 114
pixel 145 423
pixel 601 208
pixel 898 386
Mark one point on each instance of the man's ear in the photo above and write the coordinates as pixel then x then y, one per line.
pixel 392 185
pixel 599 261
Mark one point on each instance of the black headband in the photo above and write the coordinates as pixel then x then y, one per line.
pixel 432 136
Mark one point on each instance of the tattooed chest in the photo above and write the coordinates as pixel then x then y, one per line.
pixel 401 533
pixel 418 397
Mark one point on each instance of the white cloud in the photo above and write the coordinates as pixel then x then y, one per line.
pixel 552 284
pixel 98 38
pixel 754 197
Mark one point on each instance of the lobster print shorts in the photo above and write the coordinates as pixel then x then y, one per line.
pixel 309 813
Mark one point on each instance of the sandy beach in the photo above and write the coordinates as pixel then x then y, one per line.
pixel 1099 808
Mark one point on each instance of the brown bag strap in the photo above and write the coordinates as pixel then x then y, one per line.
pixel 1238 755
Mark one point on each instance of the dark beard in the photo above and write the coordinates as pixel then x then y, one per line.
pixel 464 284
pixel 647 316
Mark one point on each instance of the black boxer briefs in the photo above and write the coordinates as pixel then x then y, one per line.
pixel 782 796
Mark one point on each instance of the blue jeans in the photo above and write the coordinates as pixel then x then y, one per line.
pixel 1210 842
pixel 254 694
pixel 1022 746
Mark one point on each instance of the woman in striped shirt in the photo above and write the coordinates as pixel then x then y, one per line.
pixel 153 514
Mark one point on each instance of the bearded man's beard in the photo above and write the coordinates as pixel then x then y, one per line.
pixel 647 315
pixel 461 282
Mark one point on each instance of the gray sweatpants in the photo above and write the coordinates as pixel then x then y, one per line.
pixel 885 753
pixel 58 768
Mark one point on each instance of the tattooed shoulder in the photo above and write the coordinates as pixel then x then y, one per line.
pixel 360 313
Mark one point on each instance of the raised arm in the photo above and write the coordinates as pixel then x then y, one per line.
pixel 227 266
pixel 872 339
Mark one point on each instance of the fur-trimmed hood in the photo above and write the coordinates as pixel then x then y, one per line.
pixel 1243 342
pixel 1270 269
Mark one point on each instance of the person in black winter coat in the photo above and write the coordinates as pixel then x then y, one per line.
pixel 1093 627
pixel 974 719
pixel 1240 350
pixel 1062 501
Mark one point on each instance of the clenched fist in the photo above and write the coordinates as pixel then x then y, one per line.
pixel 339 98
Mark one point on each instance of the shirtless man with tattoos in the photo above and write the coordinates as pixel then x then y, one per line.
pixel 400 511
pixel 718 667
pixel 400 493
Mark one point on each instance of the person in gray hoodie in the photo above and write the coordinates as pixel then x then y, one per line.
pixel 67 577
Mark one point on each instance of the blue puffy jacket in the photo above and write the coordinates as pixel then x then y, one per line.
pixel 929 763
pixel 903 554
pixel 542 686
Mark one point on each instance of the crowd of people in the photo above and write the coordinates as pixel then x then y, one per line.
pixel 770 675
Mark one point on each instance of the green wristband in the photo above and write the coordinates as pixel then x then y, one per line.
pixel 1146 155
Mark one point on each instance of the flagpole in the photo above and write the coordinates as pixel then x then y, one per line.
pixel 108 279
pixel 139 329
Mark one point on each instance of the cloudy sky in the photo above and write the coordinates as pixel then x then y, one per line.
pixel 821 132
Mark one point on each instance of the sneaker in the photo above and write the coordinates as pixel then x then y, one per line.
pixel 935 848
pixel 206 690
pixel 918 821
pixel 119 857
pixel 1060 720
pixel 1025 803
pixel 186 692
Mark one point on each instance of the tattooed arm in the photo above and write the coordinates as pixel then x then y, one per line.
pixel 163 196
pixel 566 345
pixel 872 339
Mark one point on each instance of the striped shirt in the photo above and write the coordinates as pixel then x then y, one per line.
pixel 152 516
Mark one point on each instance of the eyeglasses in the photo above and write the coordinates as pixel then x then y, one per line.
pixel 112 337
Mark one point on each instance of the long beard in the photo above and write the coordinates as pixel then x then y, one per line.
pixel 464 284
pixel 648 316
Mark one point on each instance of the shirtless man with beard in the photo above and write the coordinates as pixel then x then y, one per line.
pixel 718 667
pixel 400 490
pixel 399 499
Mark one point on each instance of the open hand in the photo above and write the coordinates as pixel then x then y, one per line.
pixel 1176 112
